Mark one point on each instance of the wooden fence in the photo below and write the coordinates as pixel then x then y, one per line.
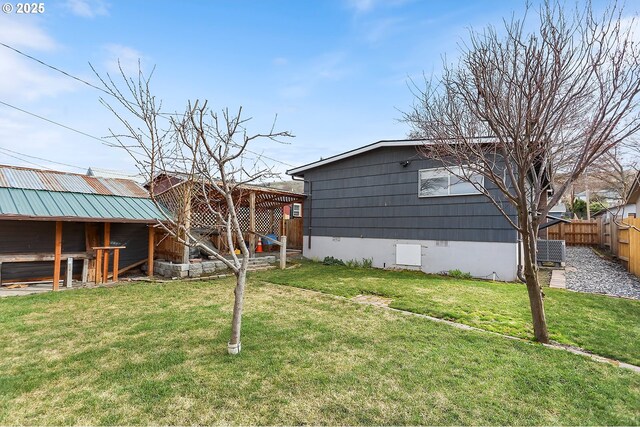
pixel 577 233
pixel 293 231
pixel 629 244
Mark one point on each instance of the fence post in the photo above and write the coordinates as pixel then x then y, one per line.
pixel 85 270
pixel 69 276
pixel 283 252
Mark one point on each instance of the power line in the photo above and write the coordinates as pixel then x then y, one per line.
pixel 101 90
pixel 52 121
pixel 39 158
pixel 54 68
pixel 26 161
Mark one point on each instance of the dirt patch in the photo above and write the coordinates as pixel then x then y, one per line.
pixel 373 300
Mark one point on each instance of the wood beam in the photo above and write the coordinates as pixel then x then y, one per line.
pixel 105 266
pixel 98 275
pixel 57 251
pixel 42 256
pixel 252 223
pixel 152 243
pixel 116 260
pixel 106 242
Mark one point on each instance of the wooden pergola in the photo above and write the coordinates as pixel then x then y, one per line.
pixel 260 212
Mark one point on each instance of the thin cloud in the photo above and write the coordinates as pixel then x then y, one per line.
pixel 88 8
pixel 23 31
pixel 280 61
pixel 366 6
pixel 327 67
pixel 21 78
pixel 381 29
pixel 126 57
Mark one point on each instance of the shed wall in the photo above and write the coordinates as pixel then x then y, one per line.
pixel 39 236
pixel 34 237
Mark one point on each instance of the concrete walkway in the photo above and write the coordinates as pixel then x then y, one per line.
pixel 558 279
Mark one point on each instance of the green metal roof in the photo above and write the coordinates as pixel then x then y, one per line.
pixel 44 204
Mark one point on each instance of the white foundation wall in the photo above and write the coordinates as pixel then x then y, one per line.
pixel 481 259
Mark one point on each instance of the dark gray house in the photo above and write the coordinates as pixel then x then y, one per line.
pixel 385 202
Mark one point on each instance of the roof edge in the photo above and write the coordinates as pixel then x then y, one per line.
pixel 356 151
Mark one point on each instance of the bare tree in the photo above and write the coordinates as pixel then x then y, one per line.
pixel 207 151
pixel 527 109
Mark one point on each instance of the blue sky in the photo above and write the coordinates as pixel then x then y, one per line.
pixel 334 71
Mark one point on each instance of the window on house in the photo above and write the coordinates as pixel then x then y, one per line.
pixel 441 182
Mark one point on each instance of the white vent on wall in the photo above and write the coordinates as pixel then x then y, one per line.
pixel 408 254
pixel 297 210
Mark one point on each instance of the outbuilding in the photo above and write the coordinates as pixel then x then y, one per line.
pixel 103 225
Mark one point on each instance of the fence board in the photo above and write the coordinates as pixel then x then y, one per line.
pixel 633 246
pixel 293 231
pixel 577 233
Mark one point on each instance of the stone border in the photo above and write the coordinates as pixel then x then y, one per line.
pixel 172 270
pixel 556 346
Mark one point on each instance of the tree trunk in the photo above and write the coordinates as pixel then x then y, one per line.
pixel 536 301
pixel 234 345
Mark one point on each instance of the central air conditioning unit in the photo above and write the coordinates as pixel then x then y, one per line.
pixel 551 251
pixel 296 211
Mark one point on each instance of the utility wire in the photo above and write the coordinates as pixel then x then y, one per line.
pixel 39 158
pixel 54 68
pixel 52 121
pixel 101 90
pixel 26 161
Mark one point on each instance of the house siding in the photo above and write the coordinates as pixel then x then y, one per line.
pixel 372 196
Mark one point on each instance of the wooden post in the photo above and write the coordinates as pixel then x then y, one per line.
pixel 106 242
pixel 0 273
pixel 283 252
pixel 57 256
pixel 105 266
pixel 98 265
pixel 92 239
pixel 187 225
pixel 69 276
pixel 152 232
pixel 252 224
pixel 272 221
pixel 116 261
pixel 85 270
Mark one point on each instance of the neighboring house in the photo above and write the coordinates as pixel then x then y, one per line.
pixel 621 211
pixel 559 211
pixel 38 207
pixel 108 173
pixel 633 197
pixel 610 197
pixel 385 202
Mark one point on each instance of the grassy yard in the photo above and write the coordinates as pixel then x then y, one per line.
pixel 604 325
pixel 156 354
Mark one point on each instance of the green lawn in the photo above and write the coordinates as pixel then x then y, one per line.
pixel 156 354
pixel 607 326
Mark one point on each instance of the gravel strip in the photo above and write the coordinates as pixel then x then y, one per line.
pixel 587 272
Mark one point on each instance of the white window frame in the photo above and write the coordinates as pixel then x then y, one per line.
pixel 296 213
pixel 449 175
